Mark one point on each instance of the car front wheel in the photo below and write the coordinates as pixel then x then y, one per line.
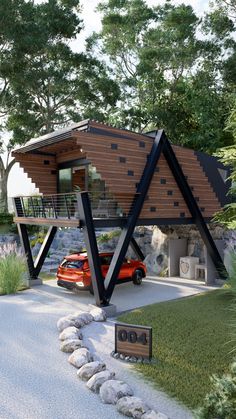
pixel 137 277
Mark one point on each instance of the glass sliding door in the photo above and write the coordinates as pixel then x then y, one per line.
pixel 65 180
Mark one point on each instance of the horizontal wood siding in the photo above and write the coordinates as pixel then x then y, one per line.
pixel 120 157
pixel 42 170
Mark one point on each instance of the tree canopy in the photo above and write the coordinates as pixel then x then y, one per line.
pixel 174 69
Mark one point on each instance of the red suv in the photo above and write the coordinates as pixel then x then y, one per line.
pixel 74 272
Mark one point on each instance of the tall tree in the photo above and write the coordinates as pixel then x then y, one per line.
pixel 228 156
pixel 169 76
pixel 44 84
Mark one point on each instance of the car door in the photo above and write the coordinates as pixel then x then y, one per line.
pixel 125 271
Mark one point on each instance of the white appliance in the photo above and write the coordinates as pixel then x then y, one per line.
pixel 187 267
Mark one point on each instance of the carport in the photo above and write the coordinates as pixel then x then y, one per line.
pixel 92 175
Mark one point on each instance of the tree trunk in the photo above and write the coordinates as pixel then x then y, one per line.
pixel 4 173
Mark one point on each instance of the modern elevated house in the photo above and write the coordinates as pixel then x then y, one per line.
pixel 92 175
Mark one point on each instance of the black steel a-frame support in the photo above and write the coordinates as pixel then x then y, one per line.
pixel 128 229
pixel 194 209
pixel 86 223
pixel 103 290
pixel 34 267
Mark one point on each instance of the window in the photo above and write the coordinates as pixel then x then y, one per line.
pixel 74 264
pixel 105 260
pixel 65 180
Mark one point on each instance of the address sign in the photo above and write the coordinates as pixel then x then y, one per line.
pixel 133 340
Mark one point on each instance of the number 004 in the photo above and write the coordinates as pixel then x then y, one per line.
pixel 132 337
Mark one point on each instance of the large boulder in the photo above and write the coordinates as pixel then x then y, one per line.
pixel 98 314
pixel 151 414
pixel 63 323
pixel 80 357
pixel 132 406
pixel 70 333
pixel 70 345
pixel 112 390
pixel 88 370
pixel 95 382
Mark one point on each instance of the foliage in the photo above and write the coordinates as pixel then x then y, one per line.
pixel 6 218
pixel 12 269
pixel 105 237
pixel 44 84
pixel 38 238
pixel 190 343
pixel 220 403
pixel 169 76
pixel 228 156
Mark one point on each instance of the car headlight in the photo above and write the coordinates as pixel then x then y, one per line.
pixel 80 284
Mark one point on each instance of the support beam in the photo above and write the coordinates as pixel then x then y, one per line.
pixel 24 239
pixel 194 209
pixel 44 249
pixel 86 223
pixel 128 229
pixel 136 248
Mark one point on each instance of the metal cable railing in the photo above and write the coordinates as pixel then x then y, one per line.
pixel 103 205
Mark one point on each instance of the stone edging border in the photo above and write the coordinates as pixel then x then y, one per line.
pixel 98 378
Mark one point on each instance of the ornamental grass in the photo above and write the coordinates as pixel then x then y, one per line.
pixel 12 269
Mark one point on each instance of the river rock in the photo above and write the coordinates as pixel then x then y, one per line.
pixel 70 345
pixel 133 407
pixel 80 357
pixel 83 319
pixel 98 314
pixel 63 323
pixel 151 414
pixel 95 382
pixel 69 333
pixel 112 390
pixel 88 370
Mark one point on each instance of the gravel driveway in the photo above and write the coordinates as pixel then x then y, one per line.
pixel 36 380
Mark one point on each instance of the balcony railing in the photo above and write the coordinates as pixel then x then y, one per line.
pixel 65 206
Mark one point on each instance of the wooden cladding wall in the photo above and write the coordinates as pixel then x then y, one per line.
pixel 42 170
pixel 124 166
pixel 120 157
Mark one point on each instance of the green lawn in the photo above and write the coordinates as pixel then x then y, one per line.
pixel 191 341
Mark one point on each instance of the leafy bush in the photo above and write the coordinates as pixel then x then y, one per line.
pixel 104 238
pixel 220 403
pixel 6 218
pixel 12 269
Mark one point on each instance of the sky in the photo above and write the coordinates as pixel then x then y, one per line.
pixel 18 183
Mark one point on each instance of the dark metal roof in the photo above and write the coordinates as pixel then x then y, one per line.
pixel 53 137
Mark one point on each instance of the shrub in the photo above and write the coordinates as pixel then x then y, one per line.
pixel 6 218
pixel 12 269
pixel 220 403
pixel 105 237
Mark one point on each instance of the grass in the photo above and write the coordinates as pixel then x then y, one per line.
pixel 190 342
pixel 12 270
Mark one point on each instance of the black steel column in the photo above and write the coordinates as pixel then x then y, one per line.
pixel 128 229
pixel 24 238
pixel 136 248
pixel 194 209
pixel 86 223
pixel 44 249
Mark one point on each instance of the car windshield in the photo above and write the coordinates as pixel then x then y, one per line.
pixel 76 264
